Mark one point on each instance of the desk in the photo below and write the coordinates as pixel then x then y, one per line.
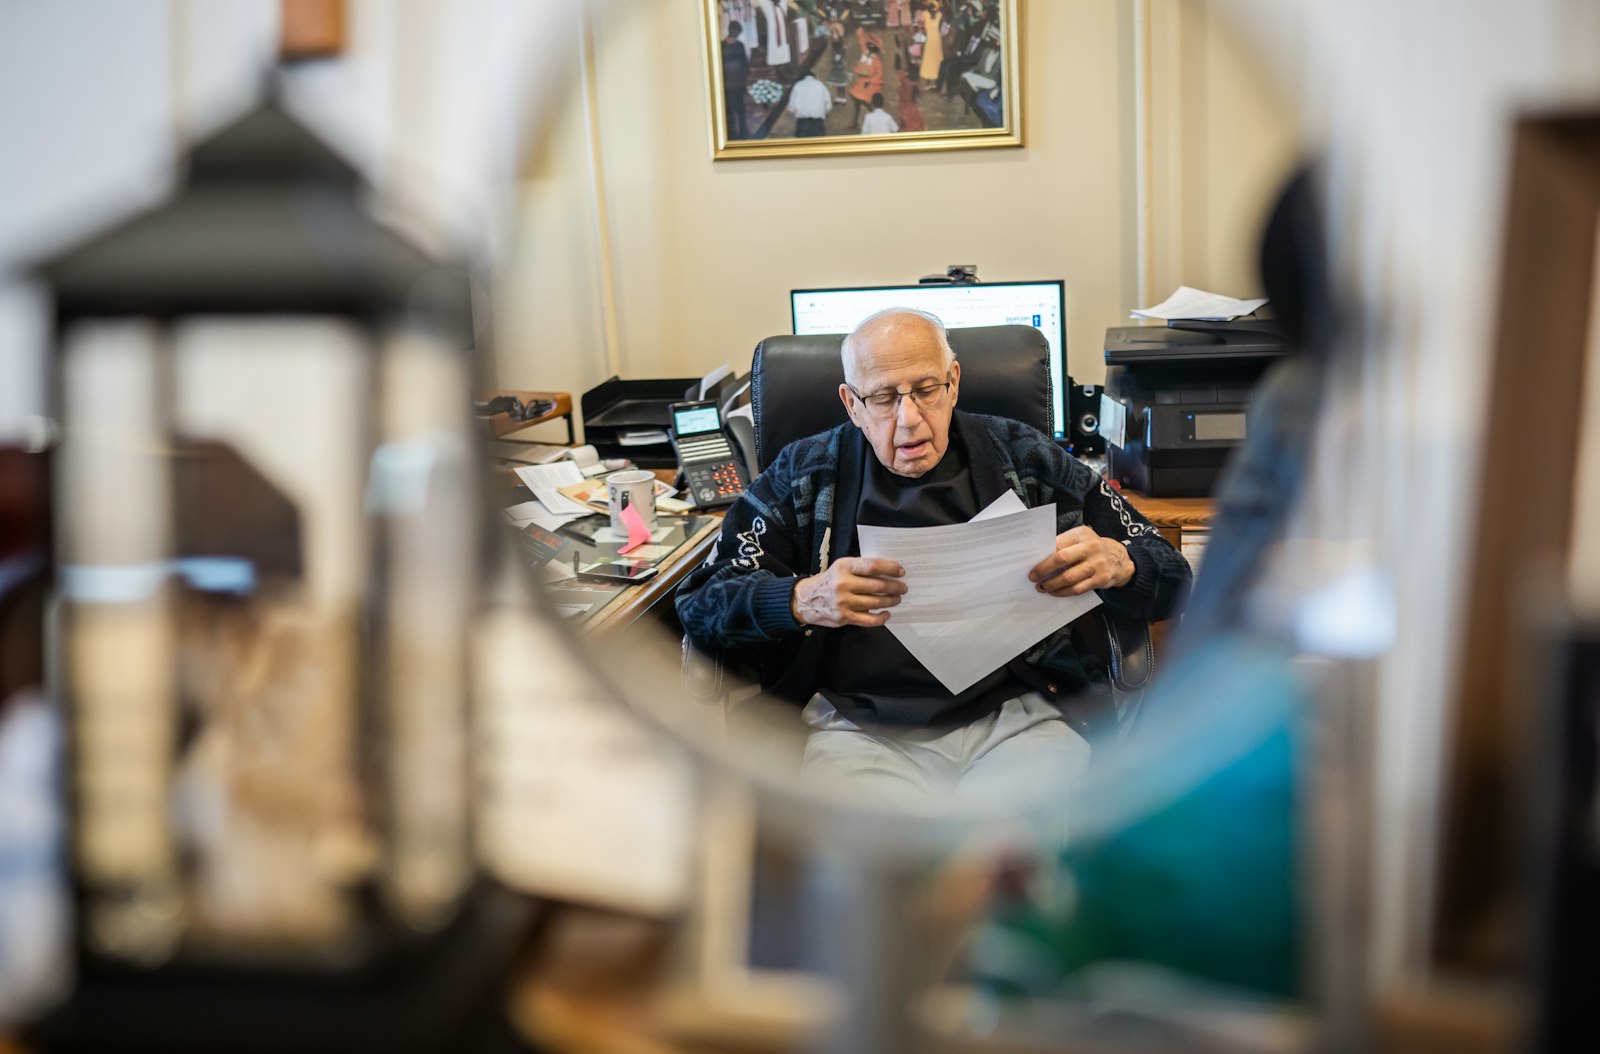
pixel 1173 516
pixel 634 602
pixel 614 606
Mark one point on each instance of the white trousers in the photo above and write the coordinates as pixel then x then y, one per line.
pixel 920 768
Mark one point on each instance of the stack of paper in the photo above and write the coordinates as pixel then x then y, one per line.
pixel 588 460
pixel 969 607
pixel 1200 306
pixel 519 516
pixel 527 453
pixel 546 480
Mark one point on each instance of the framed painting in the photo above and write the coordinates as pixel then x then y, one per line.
pixel 795 77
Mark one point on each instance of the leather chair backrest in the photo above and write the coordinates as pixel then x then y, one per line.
pixel 794 382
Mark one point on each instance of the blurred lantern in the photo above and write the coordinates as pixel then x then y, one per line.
pixel 267 566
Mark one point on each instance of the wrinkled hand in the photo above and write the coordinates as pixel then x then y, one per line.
pixel 1083 561
pixel 851 592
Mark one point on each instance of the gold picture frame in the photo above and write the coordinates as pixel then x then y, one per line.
pixel 885 76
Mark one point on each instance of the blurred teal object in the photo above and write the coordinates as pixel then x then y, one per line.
pixel 1203 885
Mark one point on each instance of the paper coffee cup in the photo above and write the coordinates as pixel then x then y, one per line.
pixel 635 488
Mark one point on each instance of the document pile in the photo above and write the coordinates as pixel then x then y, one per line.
pixel 969 607
pixel 1199 306
pixel 534 512
pixel 546 480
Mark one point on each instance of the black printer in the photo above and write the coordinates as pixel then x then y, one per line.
pixel 1177 400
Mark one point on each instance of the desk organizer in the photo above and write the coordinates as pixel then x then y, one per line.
pixel 616 407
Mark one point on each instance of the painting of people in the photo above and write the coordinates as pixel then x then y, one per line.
pixel 856 76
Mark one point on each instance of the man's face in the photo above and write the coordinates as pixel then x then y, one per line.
pixel 902 353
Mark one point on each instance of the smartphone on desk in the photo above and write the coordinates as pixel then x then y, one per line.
pixel 624 571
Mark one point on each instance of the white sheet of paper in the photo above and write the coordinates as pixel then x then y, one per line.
pixel 587 458
pixel 561 505
pixel 971 606
pixel 554 571
pixel 528 453
pixel 1113 420
pixel 1199 305
pixel 606 535
pixel 544 480
pixel 552 476
pixel 535 512
pixel 713 377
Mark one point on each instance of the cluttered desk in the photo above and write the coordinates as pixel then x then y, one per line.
pixel 599 570
pixel 606 528
pixel 632 584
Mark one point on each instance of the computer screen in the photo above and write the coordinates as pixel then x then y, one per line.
pixel 1037 304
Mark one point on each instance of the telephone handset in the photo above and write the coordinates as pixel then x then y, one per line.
pixel 712 472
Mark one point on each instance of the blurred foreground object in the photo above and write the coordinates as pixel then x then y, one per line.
pixel 267 569
pixel 1566 829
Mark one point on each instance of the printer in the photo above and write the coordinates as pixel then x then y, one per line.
pixel 1177 400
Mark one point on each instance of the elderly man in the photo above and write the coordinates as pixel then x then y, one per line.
pixel 785 585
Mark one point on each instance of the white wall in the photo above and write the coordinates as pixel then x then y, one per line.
pixel 98 97
pixel 704 253
pixel 85 119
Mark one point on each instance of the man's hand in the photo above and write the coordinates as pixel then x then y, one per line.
pixel 849 593
pixel 1083 561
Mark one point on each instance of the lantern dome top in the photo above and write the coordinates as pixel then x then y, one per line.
pixel 264 145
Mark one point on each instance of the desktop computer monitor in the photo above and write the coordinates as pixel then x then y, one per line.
pixel 1037 304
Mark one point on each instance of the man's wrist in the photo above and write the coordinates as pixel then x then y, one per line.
pixel 794 600
pixel 1126 568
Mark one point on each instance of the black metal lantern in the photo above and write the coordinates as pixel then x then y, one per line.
pixel 267 566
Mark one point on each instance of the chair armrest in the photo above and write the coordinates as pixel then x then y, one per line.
pixel 701 673
pixel 1122 644
pixel 1130 657
pixel 744 442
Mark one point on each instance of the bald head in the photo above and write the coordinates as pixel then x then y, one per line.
pixel 887 330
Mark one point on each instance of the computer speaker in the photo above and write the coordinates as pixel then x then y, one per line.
pixel 1083 420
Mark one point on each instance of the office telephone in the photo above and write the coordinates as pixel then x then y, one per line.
pixel 712 472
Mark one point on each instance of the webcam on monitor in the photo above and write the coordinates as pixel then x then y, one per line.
pixel 955 274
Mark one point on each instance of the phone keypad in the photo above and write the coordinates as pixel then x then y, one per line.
pixel 715 483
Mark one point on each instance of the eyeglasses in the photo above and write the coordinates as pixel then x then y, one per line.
pixel 925 397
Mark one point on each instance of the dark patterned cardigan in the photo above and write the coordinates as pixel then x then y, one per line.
pixel 799 515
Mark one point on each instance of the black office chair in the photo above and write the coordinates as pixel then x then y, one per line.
pixel 1005 371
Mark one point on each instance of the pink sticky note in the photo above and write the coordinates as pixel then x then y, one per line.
pixel 638 533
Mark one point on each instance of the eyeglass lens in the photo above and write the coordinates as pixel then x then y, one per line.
pixel 924 397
